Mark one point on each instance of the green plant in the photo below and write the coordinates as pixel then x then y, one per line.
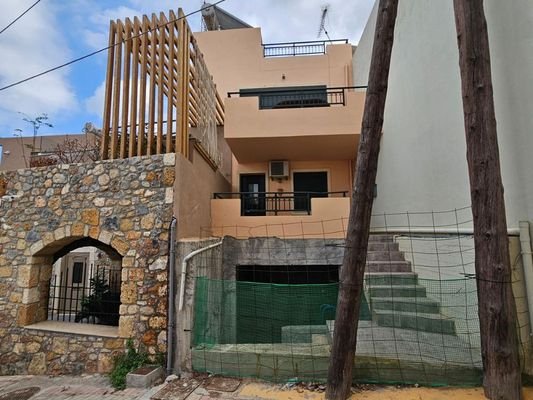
pixel 126 363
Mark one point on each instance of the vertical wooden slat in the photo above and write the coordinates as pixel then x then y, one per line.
pixel 153 69
pixel 161 70
pixel 181 83
pixel 186 71
pixel 108 92
pixel 171 77
pixel 134 84
pixel 142 94
pixel 116 89
pixel 126 88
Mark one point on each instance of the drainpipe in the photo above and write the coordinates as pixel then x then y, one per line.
pixel 527 261
pixel 171 277
pixel 184 270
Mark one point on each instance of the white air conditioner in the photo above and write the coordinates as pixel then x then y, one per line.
pixel 278 169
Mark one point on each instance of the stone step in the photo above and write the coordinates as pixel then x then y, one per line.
pixel 382 246
pixel 391 278
pixel 384 255
pixel 388 266
pixel 405 304
pixel 380 238
pixel 396 291
pixel 434 323
pixel 320 339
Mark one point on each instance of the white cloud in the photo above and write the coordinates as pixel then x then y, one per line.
pixel 30 46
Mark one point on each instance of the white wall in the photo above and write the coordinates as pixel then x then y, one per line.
pixel 422 164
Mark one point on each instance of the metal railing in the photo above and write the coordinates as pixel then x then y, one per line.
pixel 262 203
pixel 291 49
pixel 298 98
pixel 85 295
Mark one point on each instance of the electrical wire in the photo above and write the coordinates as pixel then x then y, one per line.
pixel 102 49
pixel 19 17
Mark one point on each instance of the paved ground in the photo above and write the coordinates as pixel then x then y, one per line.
pixel 97 387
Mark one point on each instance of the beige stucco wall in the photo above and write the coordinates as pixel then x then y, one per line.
pixel 339 174
pixel 235 59
pixel 296 133
pixel 194 186
pixel 328 219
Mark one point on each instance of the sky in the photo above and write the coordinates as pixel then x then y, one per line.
pixel 56 31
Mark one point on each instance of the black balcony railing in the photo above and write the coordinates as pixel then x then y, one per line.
pixel 275 203
pixel 290 49
pixel 298 98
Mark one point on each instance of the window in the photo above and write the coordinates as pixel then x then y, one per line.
pixel 289 97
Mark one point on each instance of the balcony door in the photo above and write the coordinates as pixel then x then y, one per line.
pixel 252 188
pixel 308 185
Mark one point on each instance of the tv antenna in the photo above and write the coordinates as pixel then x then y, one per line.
pixel 322 28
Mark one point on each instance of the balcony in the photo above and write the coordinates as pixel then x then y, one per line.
pixel 294 214
pixel 292 49
pixel 298 123
pixel 276 203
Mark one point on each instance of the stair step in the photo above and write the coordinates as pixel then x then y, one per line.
pixel 391 278
pixel 434 323
pixel 388 266
pixel 396 291
pixel 382 246
pixel 385 255
pixel 405 304
pixel 380 238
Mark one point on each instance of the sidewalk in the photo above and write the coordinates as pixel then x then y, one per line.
pixel 96 387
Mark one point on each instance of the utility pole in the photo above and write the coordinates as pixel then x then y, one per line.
pixel 497 312
pixel 353 266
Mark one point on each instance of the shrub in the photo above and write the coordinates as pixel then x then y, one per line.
pixel 126 363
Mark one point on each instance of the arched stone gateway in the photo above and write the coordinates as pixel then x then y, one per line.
pixel 123 207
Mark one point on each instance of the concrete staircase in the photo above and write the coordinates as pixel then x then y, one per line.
pixel 394 295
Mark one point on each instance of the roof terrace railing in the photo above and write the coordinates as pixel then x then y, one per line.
pixel 289 49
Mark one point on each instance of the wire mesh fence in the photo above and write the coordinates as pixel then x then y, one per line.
pixel 265 306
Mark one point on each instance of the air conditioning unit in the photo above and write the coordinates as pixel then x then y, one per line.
pixel 278 169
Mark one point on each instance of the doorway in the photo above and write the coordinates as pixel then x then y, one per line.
pixel 252 188
pixel 308 185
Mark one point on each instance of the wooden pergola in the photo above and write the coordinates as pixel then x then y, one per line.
pixel 157 88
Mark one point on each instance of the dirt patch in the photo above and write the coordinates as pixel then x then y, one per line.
pixel 20 394
pixel 221 384
pixel 178 389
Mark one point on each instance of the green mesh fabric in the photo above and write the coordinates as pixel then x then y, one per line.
pixel 424 332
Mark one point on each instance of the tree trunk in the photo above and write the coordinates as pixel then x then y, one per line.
pixel 352 272
pixel 497 312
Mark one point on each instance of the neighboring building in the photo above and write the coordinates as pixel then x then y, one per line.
pixel 292 122
pixel 422 163
pixel 20 152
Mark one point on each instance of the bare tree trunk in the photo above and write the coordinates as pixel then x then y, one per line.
pixel 352 272
pixel 497 312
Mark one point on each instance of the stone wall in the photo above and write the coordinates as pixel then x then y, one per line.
pixel 125 205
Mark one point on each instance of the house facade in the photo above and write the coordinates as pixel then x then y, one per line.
pixel 292 123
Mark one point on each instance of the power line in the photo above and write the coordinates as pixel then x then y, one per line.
pixel 103 49
pixel 19 17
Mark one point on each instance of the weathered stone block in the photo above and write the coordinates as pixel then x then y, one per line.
pixel 157 322
pixel 30 295
pixel 128 293
pixel 120 245
pixel 27 314
pixel 60 345
pixel 77 229
pixel 125 326
pixel 28 276
pixel 90 216
pixel 105 363
pixel 37 364
pixel 6 272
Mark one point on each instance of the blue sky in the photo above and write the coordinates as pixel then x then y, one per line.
pixel 56 31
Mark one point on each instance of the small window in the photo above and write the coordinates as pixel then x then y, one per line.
pixel 77 272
